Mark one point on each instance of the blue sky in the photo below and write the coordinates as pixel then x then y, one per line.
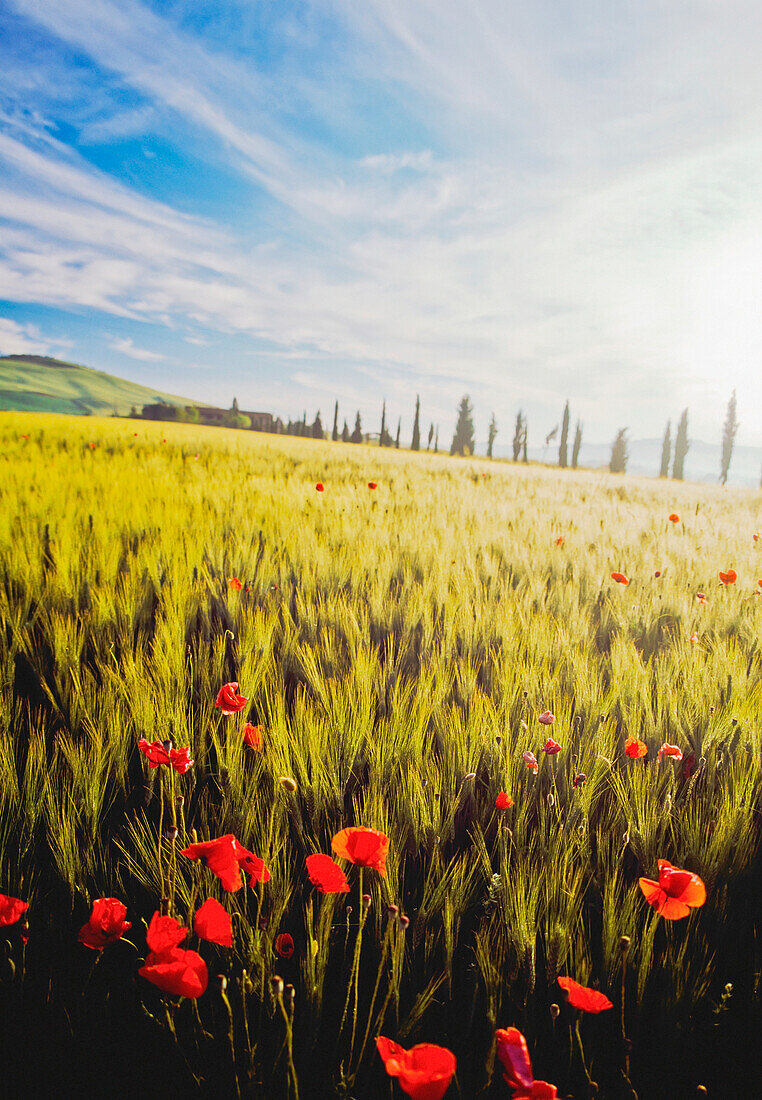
pixel 298 202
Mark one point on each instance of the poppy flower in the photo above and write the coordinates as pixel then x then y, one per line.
pixel 730 577
pixel 226 858
pixel 701 597
pixel 676 892
pixel 546 718
pixel 176 971
pixel 424 1072
pixel 673 751
pixel 164 934
pixel 560 540
pixel 228 699
pixel 320 487
pixel 514 1057
pixel 252 736
pixel 365 847
pixel 579 780
pixel 619 578
pixel 551 747
pixel 579 996
pixel 157 754
pixel 27 437
pixel 634 748
pixel 235 584
pixel 693 638
pixel 530 760
pixel 326 875
pixel 673 517
pixel 689 765
pixel 503 802
pixel 106 924
pixel 11 909
pixel 284 945
pixel 212 922
pixel 372 485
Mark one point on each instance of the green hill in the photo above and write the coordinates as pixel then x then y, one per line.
pixel 33 383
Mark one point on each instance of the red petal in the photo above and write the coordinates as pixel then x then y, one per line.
pixel 212 922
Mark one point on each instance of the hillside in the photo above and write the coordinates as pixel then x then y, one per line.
pixel 30 383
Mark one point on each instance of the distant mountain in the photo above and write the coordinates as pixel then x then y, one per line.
pixel 35 383
pixel 702 462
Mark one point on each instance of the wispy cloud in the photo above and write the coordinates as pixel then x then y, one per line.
pixel 125 346
pixel 16 339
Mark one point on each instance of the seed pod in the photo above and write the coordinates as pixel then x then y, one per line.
pixel 276 984
pixel 288 783
pixel 555 1012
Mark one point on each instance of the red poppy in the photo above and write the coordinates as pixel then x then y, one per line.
pixel 164 934
pixel 226 858
pixel 530 760
pixel 372 485
pixel 676 892
pixel 673 517
pixel 730 577
pixel 755 536
pixel 424 1072
pixel 579 996
pixel 503 802
pixel 579 780
pixel 514 1057
pixel 156 754
pixel 670 750
pixel 320 486
pixel 11 909
pixel 701 597
pixel 366 847
pixel 252 736
pixel 619 578
pixel 284 945
pixel 326 875
pixel 106 924
pixel 693 638
pixel 560 540
pixel 235 584
pixel 634 748
pixel 176 971
pixel 657 573
pixel 212 922
pixel 546 718
pixel 91 446
pixel 551 747
pixel 228 699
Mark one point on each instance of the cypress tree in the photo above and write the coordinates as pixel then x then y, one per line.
pixel 491 435
pixel 431 435
pixel 416 444
pixel 463 439
pixel 345 433
pixel 436 441
pixel 517 436
pixel 562 459
pixel 382 433
pixel 681 447
pixel 666 450
pixel 524 442
pixel 335 432
pixel 399 429
pixel 356 436
pixel 317 427
pixel 577 444
pixel 618 461
pixel 728 437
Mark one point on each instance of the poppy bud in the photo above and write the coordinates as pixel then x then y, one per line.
pixel 180 801
pixel 276 984
pixel 471 775
pixel 404 922
pixel 711 710
pixel 349 911
pixel 222 982
pixel 526 694
pixel 392 910
pixel 366 899
pixel 523 725
pixel 171 832
pixel 290 994
pixel 555 1012
pixel 498 740
pixel 729 989
pixel 734 721
pixel 288 783
pixel 580 830
pixel 624 943
pixel 168 745
pixel 702 1090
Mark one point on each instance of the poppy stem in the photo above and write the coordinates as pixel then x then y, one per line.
pixel 591 1084
pixel 173 850
pixel 289 1044
pixel 231 1040
pixel 384 949
pixel 161 831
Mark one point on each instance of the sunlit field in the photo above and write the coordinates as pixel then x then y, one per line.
pixel 396 646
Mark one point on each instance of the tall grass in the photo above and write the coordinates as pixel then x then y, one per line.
pixel 396 646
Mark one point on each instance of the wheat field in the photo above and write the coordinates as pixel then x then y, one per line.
pixel 396 647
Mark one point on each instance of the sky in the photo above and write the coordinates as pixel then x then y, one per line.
pixel 365 200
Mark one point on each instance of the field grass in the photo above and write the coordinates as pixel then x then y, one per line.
pixel 396 646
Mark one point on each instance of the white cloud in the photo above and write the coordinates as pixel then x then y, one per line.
pixel 21 339
pixel 125 346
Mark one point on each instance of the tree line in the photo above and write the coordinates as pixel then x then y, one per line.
pixel 673 453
